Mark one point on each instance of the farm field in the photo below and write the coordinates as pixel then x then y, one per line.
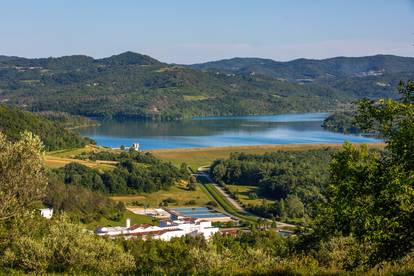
pixel 57 162
pixel 59 158
pixel 178 193
pixel 71 153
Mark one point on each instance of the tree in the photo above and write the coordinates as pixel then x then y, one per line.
pixel 294 207
pixel 22 179
pixel 371 195
pixel 75 250
pixel 192 181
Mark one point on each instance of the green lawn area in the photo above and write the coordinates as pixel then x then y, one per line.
pixel 243 193
pixel 224 203
pixel 71 153
pixel 179 193
pixel 135 219
pixel 190 98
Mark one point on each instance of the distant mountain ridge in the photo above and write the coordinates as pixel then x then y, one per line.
pixel 371 76
pixel 132 85
pixel 312 68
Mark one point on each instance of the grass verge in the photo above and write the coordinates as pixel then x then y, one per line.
pixel 224 203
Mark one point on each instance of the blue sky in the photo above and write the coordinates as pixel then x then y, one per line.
pixel 189 31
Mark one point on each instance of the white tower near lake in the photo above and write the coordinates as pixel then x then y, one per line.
pixel 135 146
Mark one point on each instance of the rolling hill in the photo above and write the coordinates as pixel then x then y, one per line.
pixel 53 134
pixel 371 76
pixel 131 85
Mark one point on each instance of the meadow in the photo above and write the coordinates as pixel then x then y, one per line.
pixel 198 157
pixel 243 192
pixel 179 193
pixel 135 219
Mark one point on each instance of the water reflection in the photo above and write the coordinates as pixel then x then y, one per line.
pixel 219 131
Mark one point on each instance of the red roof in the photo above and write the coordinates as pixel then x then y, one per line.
pixel 135 226
pixel 157 232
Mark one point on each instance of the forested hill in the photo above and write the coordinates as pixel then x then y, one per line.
pixel 371 76
pixel 54 136
pixel 131 85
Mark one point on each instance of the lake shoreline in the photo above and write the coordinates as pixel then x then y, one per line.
pixel 263 147
pixel 199 157
pixel 208 132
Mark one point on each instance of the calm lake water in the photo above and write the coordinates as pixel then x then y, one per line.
pixel 220 131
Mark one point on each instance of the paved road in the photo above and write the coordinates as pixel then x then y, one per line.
pixel 203 172
pixel 223 192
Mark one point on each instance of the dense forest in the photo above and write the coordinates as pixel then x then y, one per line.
pixel 295 179
pixel 131 85
pixel 68 121
pixel 53 133
pixel 343 122
pixel 135 173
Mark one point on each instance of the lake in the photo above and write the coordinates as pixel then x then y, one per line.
pixel 220 131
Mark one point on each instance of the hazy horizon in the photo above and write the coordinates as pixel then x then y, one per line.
pixel 197 31
pixel 225 58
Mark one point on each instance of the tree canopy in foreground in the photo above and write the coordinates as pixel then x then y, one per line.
pixel 371 195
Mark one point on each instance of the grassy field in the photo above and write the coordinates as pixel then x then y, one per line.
pixel 188 98
pixel 57 162
pixel 59 158
pixel 135 219
pixel 198 157
pixel 224 203
pixel 243 194
pixel 71 153
pixel 179 193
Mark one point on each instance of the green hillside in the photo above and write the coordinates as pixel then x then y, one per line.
pixel 371 76
pixel 137 86
pixel 131 85
pixel 54 136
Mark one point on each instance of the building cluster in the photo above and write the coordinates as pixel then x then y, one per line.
pixel 166 230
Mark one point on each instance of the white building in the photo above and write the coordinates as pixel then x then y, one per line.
pixel 165 231
pixel 46 212
pixel 135 146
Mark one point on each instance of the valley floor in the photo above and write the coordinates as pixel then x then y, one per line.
pixel 198 157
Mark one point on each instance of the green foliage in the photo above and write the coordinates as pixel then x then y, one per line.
pixel 22 179
pixel 192 183
pixel 135 173
pixel 65 248
pixel 294 177
pixel 371 196
pixel 68 121
pixel 53 134
pixel 357 77
pixel 135 86
pixel 341 122
pixel 81 204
